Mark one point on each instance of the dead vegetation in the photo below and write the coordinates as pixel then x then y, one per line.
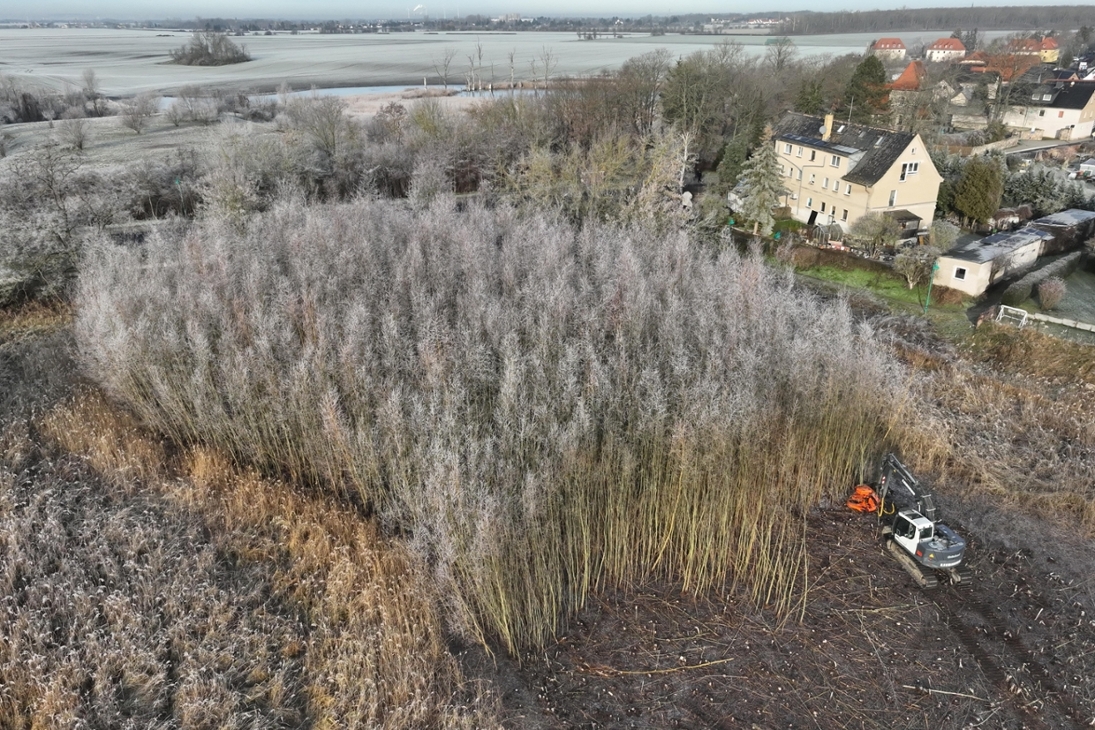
pixel 147 586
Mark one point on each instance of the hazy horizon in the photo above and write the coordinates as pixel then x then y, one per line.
pixel 130 10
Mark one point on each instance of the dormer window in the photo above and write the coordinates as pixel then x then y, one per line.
pixel 1047 97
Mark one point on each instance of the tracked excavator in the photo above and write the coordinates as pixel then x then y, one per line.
pixel 926 548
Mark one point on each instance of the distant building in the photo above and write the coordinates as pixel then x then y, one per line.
pixel 911 78
pixel 943 50
pixel 891 49
pixel 1046 48
pixel 836 173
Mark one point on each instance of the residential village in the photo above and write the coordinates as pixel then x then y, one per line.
pixel 891 185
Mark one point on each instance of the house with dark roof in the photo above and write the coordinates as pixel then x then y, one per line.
pixel 1055 111
pixel 892 49
pixel 836 172
pixel 943 50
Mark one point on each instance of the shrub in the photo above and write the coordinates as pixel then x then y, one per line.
pixel 540 409
pixel 1020 290
pixel 1050 292
pixel 208 48
pixel 137 112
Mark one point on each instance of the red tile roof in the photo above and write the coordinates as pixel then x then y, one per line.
pixel 888 44
pixel 947 44
pixel 910 78
pixel 1049 44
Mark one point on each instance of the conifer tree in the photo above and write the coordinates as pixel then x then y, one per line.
pixel 763 187
pixel 977 194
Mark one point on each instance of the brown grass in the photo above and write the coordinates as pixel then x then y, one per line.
pixel 200 596
pixel 1014 420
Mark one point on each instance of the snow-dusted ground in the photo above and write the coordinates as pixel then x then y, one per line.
pixel 130 61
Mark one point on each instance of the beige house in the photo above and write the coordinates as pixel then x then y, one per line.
pixel 836 173
pixel 943 50
pixel 1056 111
pixel 891 49
pixel 974 266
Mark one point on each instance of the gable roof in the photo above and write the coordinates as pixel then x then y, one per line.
pixel 946 44
pixel 1049 44
pixel 873 151
pixel 887 44
pixel 910 78
pixel 997 245
pixel 1073 95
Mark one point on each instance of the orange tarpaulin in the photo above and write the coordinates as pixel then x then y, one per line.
pixel 863 499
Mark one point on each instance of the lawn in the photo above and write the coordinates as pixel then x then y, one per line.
pixel 891 288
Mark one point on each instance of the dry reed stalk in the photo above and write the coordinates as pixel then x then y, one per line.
pixel 544 411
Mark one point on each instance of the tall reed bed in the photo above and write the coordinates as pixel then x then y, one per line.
pixel 539 410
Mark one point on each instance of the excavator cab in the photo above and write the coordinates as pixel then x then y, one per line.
pixel 916 537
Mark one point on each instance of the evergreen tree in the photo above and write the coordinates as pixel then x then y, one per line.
pixel 977 194
pixel 866 95
pixel 763 185
pixel 736 153
pixel 810 98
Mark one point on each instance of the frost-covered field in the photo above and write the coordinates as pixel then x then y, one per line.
pixel 131 61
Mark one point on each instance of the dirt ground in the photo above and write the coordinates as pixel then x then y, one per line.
pixel 869 649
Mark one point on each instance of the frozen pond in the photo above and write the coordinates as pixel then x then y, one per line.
pixel 131 61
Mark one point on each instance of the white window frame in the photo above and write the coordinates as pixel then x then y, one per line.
pixel 798 152
pixel 825 183
pixel 809 203
pixel 800 173
pixel 786 148
pixel 893 199
pixel 848 189
pixel 960 273
pixel 835 161
pixel 845 216
pixel 909 168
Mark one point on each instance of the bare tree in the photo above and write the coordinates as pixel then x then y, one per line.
pixel 548 62
pixel 915 264
pixel 92 92
pixel 441 65
pixel 75 133
pixel 137 112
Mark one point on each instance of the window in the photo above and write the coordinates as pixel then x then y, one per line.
pixel 909 168
pixel 1041 112
pixel 844 215
pixel 893 198
pixel 1060 114
pixel 912 151
pixel 959 273
pixel 809 202
pixel 798 152
pixel 813 177
pixel 800 174
pixel 823 206
pixel 848 189
pixel 782 170
pixel 813 155
pixel 825 183
pixel 1047 97
pixel 787 149
pixel 835 162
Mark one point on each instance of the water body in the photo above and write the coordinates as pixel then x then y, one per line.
pixel 131 61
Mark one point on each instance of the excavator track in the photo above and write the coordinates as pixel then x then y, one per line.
pixel 1021 674
pixel 925 579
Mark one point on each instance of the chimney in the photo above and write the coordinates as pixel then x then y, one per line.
pixel 827 132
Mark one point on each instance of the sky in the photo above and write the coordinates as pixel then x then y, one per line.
pixel 337 9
